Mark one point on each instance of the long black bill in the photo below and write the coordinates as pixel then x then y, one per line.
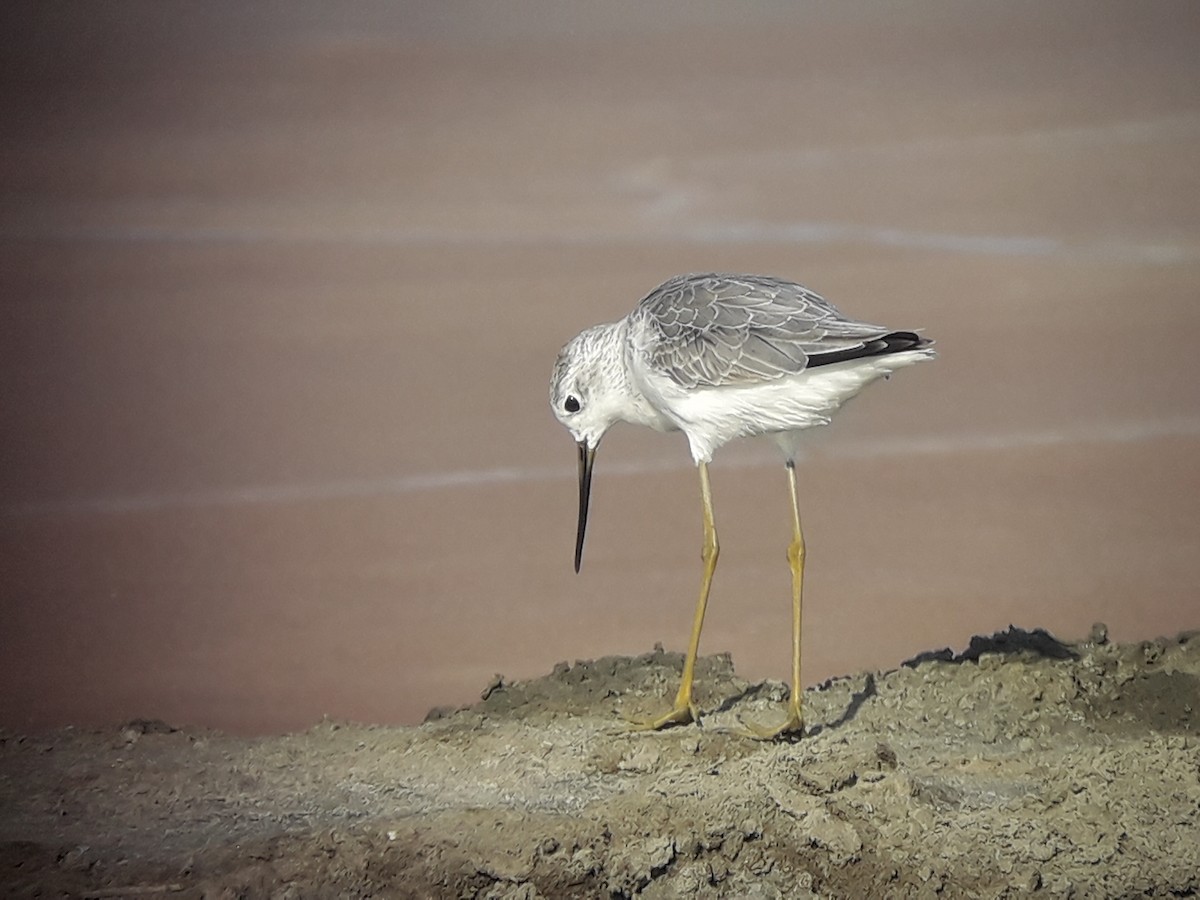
pixel 587 456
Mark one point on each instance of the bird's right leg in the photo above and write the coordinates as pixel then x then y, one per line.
pixel 684 709
pixel 793 725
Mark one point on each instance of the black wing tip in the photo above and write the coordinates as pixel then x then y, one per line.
pixel 892 342
pixel 900 341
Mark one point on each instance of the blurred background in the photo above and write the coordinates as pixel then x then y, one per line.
pixel 281 286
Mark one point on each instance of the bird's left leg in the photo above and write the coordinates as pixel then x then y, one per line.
pixel 794 723
pixel 684 709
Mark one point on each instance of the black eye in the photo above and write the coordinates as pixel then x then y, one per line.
pixel 571 405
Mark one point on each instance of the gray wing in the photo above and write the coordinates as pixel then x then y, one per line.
pixel 712 330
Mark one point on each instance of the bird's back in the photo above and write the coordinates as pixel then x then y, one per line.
pixel 719 330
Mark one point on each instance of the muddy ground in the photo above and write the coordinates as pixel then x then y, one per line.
pixel 1023 765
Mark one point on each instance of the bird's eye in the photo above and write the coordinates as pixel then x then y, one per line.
pixel 571 405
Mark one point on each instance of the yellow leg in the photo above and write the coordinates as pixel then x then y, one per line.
pixel 684 709
pixel 794 723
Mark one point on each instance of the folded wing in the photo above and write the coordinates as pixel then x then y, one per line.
pixel 715 330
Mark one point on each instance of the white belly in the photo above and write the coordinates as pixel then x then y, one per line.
pixel 711 417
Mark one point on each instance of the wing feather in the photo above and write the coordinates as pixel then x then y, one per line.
pixel 714 330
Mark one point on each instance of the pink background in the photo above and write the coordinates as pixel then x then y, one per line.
pixel 281 288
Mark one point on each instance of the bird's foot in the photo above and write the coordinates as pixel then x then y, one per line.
pixel 682 714
pixel 792 727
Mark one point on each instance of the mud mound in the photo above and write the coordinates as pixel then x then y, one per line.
pixel 1023 765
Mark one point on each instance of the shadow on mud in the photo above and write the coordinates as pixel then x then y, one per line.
pixel 1038 642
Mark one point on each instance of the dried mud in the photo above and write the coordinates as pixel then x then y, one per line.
pixel 1022 766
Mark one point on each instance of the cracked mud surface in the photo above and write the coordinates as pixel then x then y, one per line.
pixel 1021 766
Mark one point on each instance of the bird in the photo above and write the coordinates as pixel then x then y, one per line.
pixel 719 357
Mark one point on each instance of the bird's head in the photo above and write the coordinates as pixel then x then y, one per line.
pixel 585 396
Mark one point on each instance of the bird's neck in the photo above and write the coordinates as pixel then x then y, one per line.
pixel 629 404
